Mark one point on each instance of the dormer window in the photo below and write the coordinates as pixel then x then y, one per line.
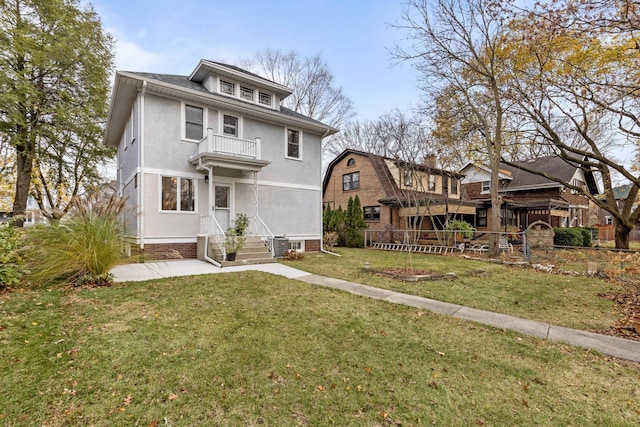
pixel 265 98
pixel 408 178
pixel 227 87
pixel 246 93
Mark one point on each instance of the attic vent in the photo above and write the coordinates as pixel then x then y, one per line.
pixel 351 162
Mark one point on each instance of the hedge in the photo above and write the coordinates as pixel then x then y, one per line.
pixel 573 236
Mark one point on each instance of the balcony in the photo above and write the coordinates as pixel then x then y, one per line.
pixel 227 152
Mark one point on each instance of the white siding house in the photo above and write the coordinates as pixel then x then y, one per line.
pixel 195 151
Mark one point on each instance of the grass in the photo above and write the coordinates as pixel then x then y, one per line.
pixel 569 301
pixel 256 349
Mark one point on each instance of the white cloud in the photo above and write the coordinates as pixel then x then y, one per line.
pixel 132 57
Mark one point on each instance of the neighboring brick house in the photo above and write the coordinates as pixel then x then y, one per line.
pixel 395 194
pixel 528 197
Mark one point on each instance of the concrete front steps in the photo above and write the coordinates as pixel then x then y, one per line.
pixel 254 251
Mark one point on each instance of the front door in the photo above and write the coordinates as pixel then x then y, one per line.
pixel 222 206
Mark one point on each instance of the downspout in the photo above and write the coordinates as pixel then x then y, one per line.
pixel 322 249
pixel 141 192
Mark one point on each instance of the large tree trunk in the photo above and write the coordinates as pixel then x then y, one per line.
pixel 24 166
pixel 622 232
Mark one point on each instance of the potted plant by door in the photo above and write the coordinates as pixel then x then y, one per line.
pixel 233 242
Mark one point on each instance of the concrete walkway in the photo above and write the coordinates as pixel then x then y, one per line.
pixel 617 347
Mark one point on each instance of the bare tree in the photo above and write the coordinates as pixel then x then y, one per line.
pixel 456 46
pixel 576 80
pixel 315 93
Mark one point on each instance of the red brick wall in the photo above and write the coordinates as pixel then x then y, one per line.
pixel 162 251
pixel 369 193
pixel 312 245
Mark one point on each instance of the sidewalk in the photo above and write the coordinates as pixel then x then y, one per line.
pixel 612 346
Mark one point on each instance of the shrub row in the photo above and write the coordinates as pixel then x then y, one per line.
pixel 574 236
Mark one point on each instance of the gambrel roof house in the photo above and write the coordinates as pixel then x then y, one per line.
pixel 395 193
pixel 528 197
pixel 195 151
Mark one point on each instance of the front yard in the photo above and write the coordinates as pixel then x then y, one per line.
pixel 256 349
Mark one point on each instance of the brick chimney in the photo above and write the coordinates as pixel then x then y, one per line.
pixel 430 160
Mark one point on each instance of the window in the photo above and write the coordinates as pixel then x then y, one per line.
pixel 351 181
pixel 170 201
pixel 482 217
pixel 246 93
pixel 371 213
pixel 432 183
pixel 608 220
pixel 454 185
pixel 577 183
pixel 408 178
pixel 264 98
pixel 486 186
pixel 351 162
pixel 293 143
pixel 194 122
pixel 230 125
pixel 227 87
pixel 295 245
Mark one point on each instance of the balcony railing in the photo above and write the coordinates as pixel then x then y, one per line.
pixel 230 146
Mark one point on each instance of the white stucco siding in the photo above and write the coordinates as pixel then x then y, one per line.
pixel 474 174
pixel 169 225
pixel 130 193
pixel 164 148
pixel 306 171
pixel 291 211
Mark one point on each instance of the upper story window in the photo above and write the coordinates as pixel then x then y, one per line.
pixel 432 183
pixel 246 93
pixel 408 178
pixel 293 144
pixel 227 87
pixel 454 185
pixel 194 122
pixel 177 194
pixel 577 183
pixel 351 162
pixel 486 186
pixel 264 98
pixel 230 125
pixel 351 181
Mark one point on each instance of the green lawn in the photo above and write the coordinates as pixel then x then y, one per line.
pixel 562 300
pixel 256 349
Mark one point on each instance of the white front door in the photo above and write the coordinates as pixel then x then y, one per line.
pixel 222 205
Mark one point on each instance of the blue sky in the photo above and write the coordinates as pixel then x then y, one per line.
pixel 352 36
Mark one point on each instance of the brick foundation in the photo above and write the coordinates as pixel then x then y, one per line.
pixel 312 245
pixel 162 251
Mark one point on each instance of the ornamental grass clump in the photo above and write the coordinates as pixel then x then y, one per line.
pixel 82 249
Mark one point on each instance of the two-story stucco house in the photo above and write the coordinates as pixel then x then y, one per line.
pixel 194 151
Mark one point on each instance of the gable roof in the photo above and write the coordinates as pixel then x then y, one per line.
pixel 553 166
pixel 392 192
